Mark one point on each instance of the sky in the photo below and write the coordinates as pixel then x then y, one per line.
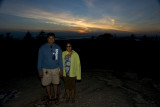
pixel 82 16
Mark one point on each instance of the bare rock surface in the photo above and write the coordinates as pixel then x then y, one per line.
pixel 98 88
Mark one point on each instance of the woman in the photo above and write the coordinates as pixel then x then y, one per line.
pixel 71 71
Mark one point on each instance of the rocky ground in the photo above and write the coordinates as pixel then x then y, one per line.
pixel 97 88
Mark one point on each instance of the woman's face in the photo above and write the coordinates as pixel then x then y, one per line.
pixel 69 47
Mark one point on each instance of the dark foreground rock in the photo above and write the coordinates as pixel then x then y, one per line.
pixel 98 88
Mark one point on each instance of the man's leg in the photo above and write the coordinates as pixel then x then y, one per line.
pixel 56 93
pixel 61 89
pixel 46 81
pixel 55 81
pixel 48 87
pixel 55 90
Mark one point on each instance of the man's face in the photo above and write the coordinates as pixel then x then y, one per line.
pixel 51 40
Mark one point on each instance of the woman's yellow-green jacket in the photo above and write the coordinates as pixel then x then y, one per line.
pixel 75 68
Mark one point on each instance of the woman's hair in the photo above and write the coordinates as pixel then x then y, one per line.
pixel 69 42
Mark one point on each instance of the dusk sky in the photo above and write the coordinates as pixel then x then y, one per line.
pixel 84 16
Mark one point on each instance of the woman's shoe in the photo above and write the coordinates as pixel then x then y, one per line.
pixel 56 101
pixel 49 101
pixel 73 100
pixel 67 100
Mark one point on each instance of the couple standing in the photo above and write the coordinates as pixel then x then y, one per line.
pixel 53 64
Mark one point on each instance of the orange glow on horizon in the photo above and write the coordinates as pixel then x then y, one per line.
pixel 82 31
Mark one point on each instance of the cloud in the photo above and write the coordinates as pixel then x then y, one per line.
pixel 65 19
pixel 89 3
pixel 154 15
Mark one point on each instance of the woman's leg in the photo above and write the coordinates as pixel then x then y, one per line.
pixel 67 95
pixel 73 95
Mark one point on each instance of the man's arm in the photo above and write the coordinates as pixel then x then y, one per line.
pixel 60 62
pixel 39 65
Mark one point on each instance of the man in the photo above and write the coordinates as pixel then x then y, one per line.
pixel 49 63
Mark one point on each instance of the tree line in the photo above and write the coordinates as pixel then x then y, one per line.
pixel 106 36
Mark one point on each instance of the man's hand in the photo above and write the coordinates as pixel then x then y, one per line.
pixel 40 74
pixel 61 73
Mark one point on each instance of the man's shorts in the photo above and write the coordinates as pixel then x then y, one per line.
pixel 50 76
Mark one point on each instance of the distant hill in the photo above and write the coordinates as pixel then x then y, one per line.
pixel 72 35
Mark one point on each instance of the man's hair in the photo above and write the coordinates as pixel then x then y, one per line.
pixel 50 34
